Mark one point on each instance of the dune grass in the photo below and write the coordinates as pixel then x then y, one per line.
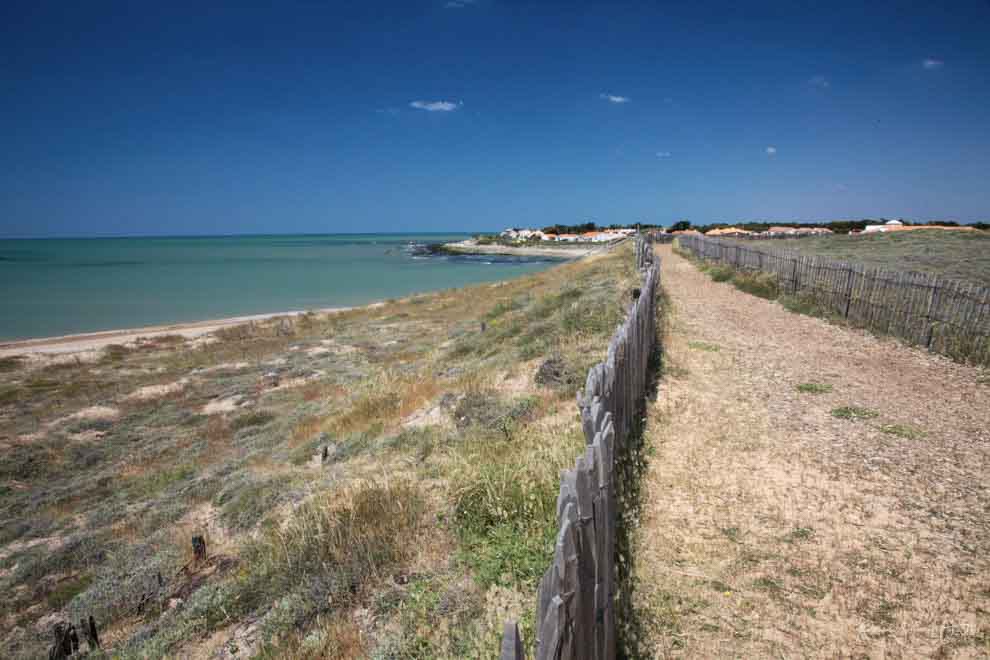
pixel 404 461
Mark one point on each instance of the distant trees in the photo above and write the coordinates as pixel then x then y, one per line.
pixel 570 229
pixel 680 225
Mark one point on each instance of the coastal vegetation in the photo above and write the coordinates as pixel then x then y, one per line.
pixel 960 255
pixel 377 482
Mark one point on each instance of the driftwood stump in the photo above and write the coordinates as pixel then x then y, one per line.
pixel 199 547
pixel 92 636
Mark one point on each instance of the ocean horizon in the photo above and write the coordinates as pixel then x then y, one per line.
pixel 60 286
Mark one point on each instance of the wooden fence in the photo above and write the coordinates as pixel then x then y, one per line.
pixel 946 316
pixel 575 613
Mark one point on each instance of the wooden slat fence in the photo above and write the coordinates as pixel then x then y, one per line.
pixel 946 316
pixel 575 614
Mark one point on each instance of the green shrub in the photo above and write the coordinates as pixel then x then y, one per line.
pixel 803 303
pixel 11 362
pixel 255 418
pixel 246 505
pixel 720 273
pixel 763 285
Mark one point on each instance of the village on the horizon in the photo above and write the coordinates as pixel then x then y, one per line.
pixel 589 233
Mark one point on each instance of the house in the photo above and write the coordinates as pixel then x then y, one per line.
pixel 728 231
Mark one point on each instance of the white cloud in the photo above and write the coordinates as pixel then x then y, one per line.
pixel 771 151
pixel 663 154
pixel 820 82
pixel 436 106
pixel 612 98
pixel 931 63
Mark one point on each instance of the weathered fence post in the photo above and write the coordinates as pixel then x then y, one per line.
pixel 575 610
pixel 886 301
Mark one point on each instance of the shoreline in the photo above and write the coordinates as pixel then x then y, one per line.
pixel 469 246
pixel 91 341
pixel 60 345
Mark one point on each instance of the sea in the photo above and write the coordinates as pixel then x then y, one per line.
pixel 52 287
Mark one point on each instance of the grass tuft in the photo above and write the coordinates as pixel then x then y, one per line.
pixel 814 388
pixel 703 346
pixel 903 431
pixel 854 413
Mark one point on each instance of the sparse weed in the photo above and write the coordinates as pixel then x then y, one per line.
pixel 704 346
pixel 814 388
pixel 903 431
pixel 854 413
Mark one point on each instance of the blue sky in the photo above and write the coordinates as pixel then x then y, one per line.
pixel 142 118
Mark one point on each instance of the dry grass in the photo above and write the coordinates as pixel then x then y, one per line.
pixel 954 254
pixel 773 528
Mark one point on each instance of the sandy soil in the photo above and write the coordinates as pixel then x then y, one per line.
pixel 773 528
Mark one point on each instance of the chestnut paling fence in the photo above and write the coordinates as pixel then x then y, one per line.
pixel 576 599
pixel 946 316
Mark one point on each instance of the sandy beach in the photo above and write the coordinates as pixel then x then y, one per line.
pixel 572 251
pixel 93 341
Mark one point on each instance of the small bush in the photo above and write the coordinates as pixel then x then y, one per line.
pixel 854 413
pixel 488 410
pixel 763 285
pixel 256 418
pixel 11 362
pixel 246 505
pixel 115 352
pixel 9 395
pixel 66 590
pixel 362 533
pixel 814 388
pixel 720 273
pixel 803 303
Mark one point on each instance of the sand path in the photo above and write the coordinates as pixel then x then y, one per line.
pixel 773 528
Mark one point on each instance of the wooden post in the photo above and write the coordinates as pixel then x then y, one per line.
pixel 849 280
pixel 512 648
pixel 932 302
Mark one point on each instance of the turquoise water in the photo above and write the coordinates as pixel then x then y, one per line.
pixel 63 286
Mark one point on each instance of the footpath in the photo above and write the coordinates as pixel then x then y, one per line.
pixel 813 490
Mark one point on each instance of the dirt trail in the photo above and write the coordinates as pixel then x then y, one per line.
pixel 773 528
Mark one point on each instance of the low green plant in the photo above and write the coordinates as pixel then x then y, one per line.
pixel 814 388
pixel 799 534
pixel 505 508
pixel 903 431
pixel 9 395
pixel 703 346
pixel 854 413
pixel 803 303
pixel 11 362
pixel 763 285
pixel 719 273
pixel 254 418
pixel 67 589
